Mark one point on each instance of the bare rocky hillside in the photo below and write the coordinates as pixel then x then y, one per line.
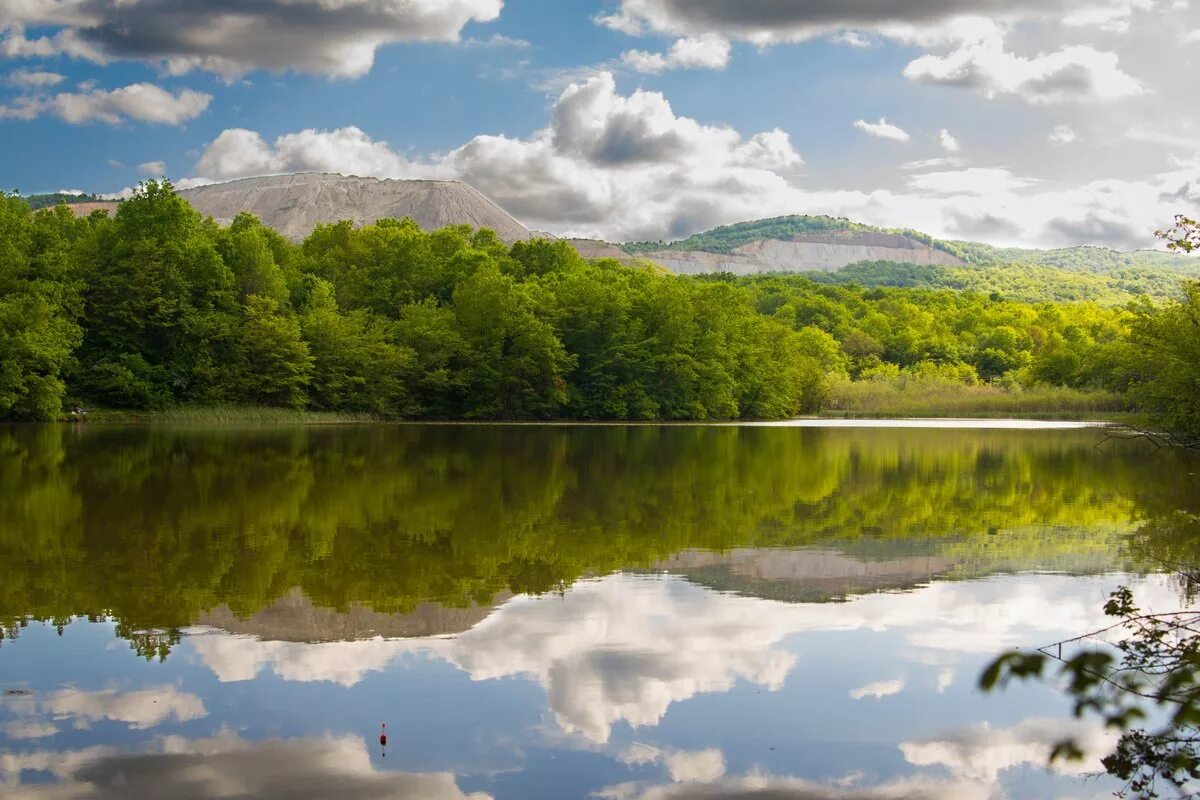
pixel 295 204
pixel 827 252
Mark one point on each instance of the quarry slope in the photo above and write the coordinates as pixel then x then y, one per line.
pixel 295 204
pixel 826 252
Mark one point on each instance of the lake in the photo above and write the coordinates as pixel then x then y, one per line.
pixel 624 612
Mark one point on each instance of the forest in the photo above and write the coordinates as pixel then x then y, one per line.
pixel 158 307
pixel 727 238
pixel 1030 283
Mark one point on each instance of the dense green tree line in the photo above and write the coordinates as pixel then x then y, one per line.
pixel 1100 260
pixel 962 335
pixel 1149 353
pixel 154 525
pixel 1027 283
pixel 37 201
pixel 157 307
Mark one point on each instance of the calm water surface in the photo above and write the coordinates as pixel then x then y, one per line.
pixel 559 612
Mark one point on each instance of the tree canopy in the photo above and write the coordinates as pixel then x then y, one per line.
pixel 157 307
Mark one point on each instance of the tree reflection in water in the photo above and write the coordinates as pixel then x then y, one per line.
pixel 156 527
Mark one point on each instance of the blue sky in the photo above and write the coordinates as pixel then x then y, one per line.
pixel 1065 121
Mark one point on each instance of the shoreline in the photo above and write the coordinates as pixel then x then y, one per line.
pixel 234 417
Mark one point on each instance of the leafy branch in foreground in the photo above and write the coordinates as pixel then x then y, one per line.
pixel 1184 237
pixel 1141 664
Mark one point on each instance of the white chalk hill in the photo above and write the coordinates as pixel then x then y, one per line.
pixel 296 204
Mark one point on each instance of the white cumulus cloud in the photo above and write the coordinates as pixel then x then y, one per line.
pixel 239 153
pixel 141 102
pixel 707 51
pixel 33 79
pixel 878 690
pixel 882 130
pixel 624 164
pixel 1063 135
pixel 982 62
pixel 627 167
pixel 701 766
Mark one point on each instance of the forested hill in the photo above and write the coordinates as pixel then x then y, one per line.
pixel 783 229
pixel 840 251
pixel 726 239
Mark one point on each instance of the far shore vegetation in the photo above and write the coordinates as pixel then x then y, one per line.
pixel 159 313
pixel 847 400
pixel 914 397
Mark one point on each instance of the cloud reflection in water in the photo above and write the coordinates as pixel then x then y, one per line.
pixel 227 766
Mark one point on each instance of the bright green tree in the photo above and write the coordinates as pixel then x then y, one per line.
pixel 161 313
pixel 518 362
pixel 356 364
pixel 39 306
pixel 273 359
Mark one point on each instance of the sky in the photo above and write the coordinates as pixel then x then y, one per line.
pixel 1015 122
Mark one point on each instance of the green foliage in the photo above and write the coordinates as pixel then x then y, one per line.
pixel 1184 237
pixel 1163 358
pixel 161 307
pixel 926 390
pixel 1029 283
pixel 1100 260
pixel 1142 664
pixel 965 337
pixel 356 366
pixel 37 202
pixel 1163 355
pixel 158 308
pixel 274 358
pixel 729 237
pixel 39 308
pixel 518 362
pixel 390 320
